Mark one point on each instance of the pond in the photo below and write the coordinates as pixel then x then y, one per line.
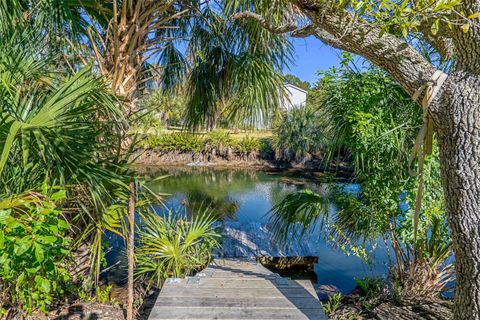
pixel 241 199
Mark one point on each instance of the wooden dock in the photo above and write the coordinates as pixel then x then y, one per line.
pixel 237 289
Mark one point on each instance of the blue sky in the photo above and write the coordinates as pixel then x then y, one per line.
pixel 310 56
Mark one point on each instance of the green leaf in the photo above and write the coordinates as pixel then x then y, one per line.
pixel 48 239
pixel 7 146
pixel 58 195
pixel 465 27
pixel 63 224
pixel 474 16
pixel 31 271
pixel 4 215
pixel 43 284
pixel 435 27
pixel 359 5
pixel 20 280
pixel 22 246
pixel 39 254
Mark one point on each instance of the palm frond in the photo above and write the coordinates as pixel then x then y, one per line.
pixel 174 245
pixel 298 214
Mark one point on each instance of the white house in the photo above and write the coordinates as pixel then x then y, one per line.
pixel 296 97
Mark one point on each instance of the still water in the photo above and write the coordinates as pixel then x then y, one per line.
pixel 243 198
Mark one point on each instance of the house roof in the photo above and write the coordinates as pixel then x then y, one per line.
pixel 287 84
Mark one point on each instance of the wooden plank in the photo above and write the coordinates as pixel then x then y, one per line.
pixel 232 292
pixel 240 283
pixel 281 303
pixel 233 313
pixel 237 289
pixel 232 275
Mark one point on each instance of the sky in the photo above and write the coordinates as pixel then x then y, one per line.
pixel 310 56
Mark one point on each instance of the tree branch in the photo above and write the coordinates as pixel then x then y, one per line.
pixel 346 31
pixel 320 34
pixel 442 41
pixel 264 23
pixel 343 30
pixel 293 29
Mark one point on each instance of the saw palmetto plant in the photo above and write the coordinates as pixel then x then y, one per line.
pixel 59 128
pixel 300 132
pixel 174 245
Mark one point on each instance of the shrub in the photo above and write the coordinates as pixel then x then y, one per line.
pixel 33 247
pixel 266 148
pixel 151 141
pixel 216 140
pixel 219 140
pixel 174 245
pixel 300 132
pixel 183 142
pixel 247 145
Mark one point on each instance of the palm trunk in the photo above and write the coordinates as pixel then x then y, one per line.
pixel 458 129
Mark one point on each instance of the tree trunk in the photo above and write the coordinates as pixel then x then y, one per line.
pixel 458 129
pixel 131 248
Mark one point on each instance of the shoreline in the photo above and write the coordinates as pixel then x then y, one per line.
pixel 152 159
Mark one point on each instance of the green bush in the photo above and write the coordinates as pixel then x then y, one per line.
pixel 183 142
pixel 370 287
pixel 151 141
pixel 174 245
pixel 33 248
pixel 247 145
pixel 300 132
pixel 266 147
pixel 219 140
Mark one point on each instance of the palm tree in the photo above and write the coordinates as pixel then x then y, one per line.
pixel 134 34
pixel 235 71
pixel 60 128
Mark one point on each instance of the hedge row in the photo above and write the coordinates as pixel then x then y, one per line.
pixel 220 142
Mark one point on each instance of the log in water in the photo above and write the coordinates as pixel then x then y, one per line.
pixel 288 263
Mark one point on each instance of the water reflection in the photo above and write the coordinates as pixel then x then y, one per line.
pixel 241 199
pixel 220 207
